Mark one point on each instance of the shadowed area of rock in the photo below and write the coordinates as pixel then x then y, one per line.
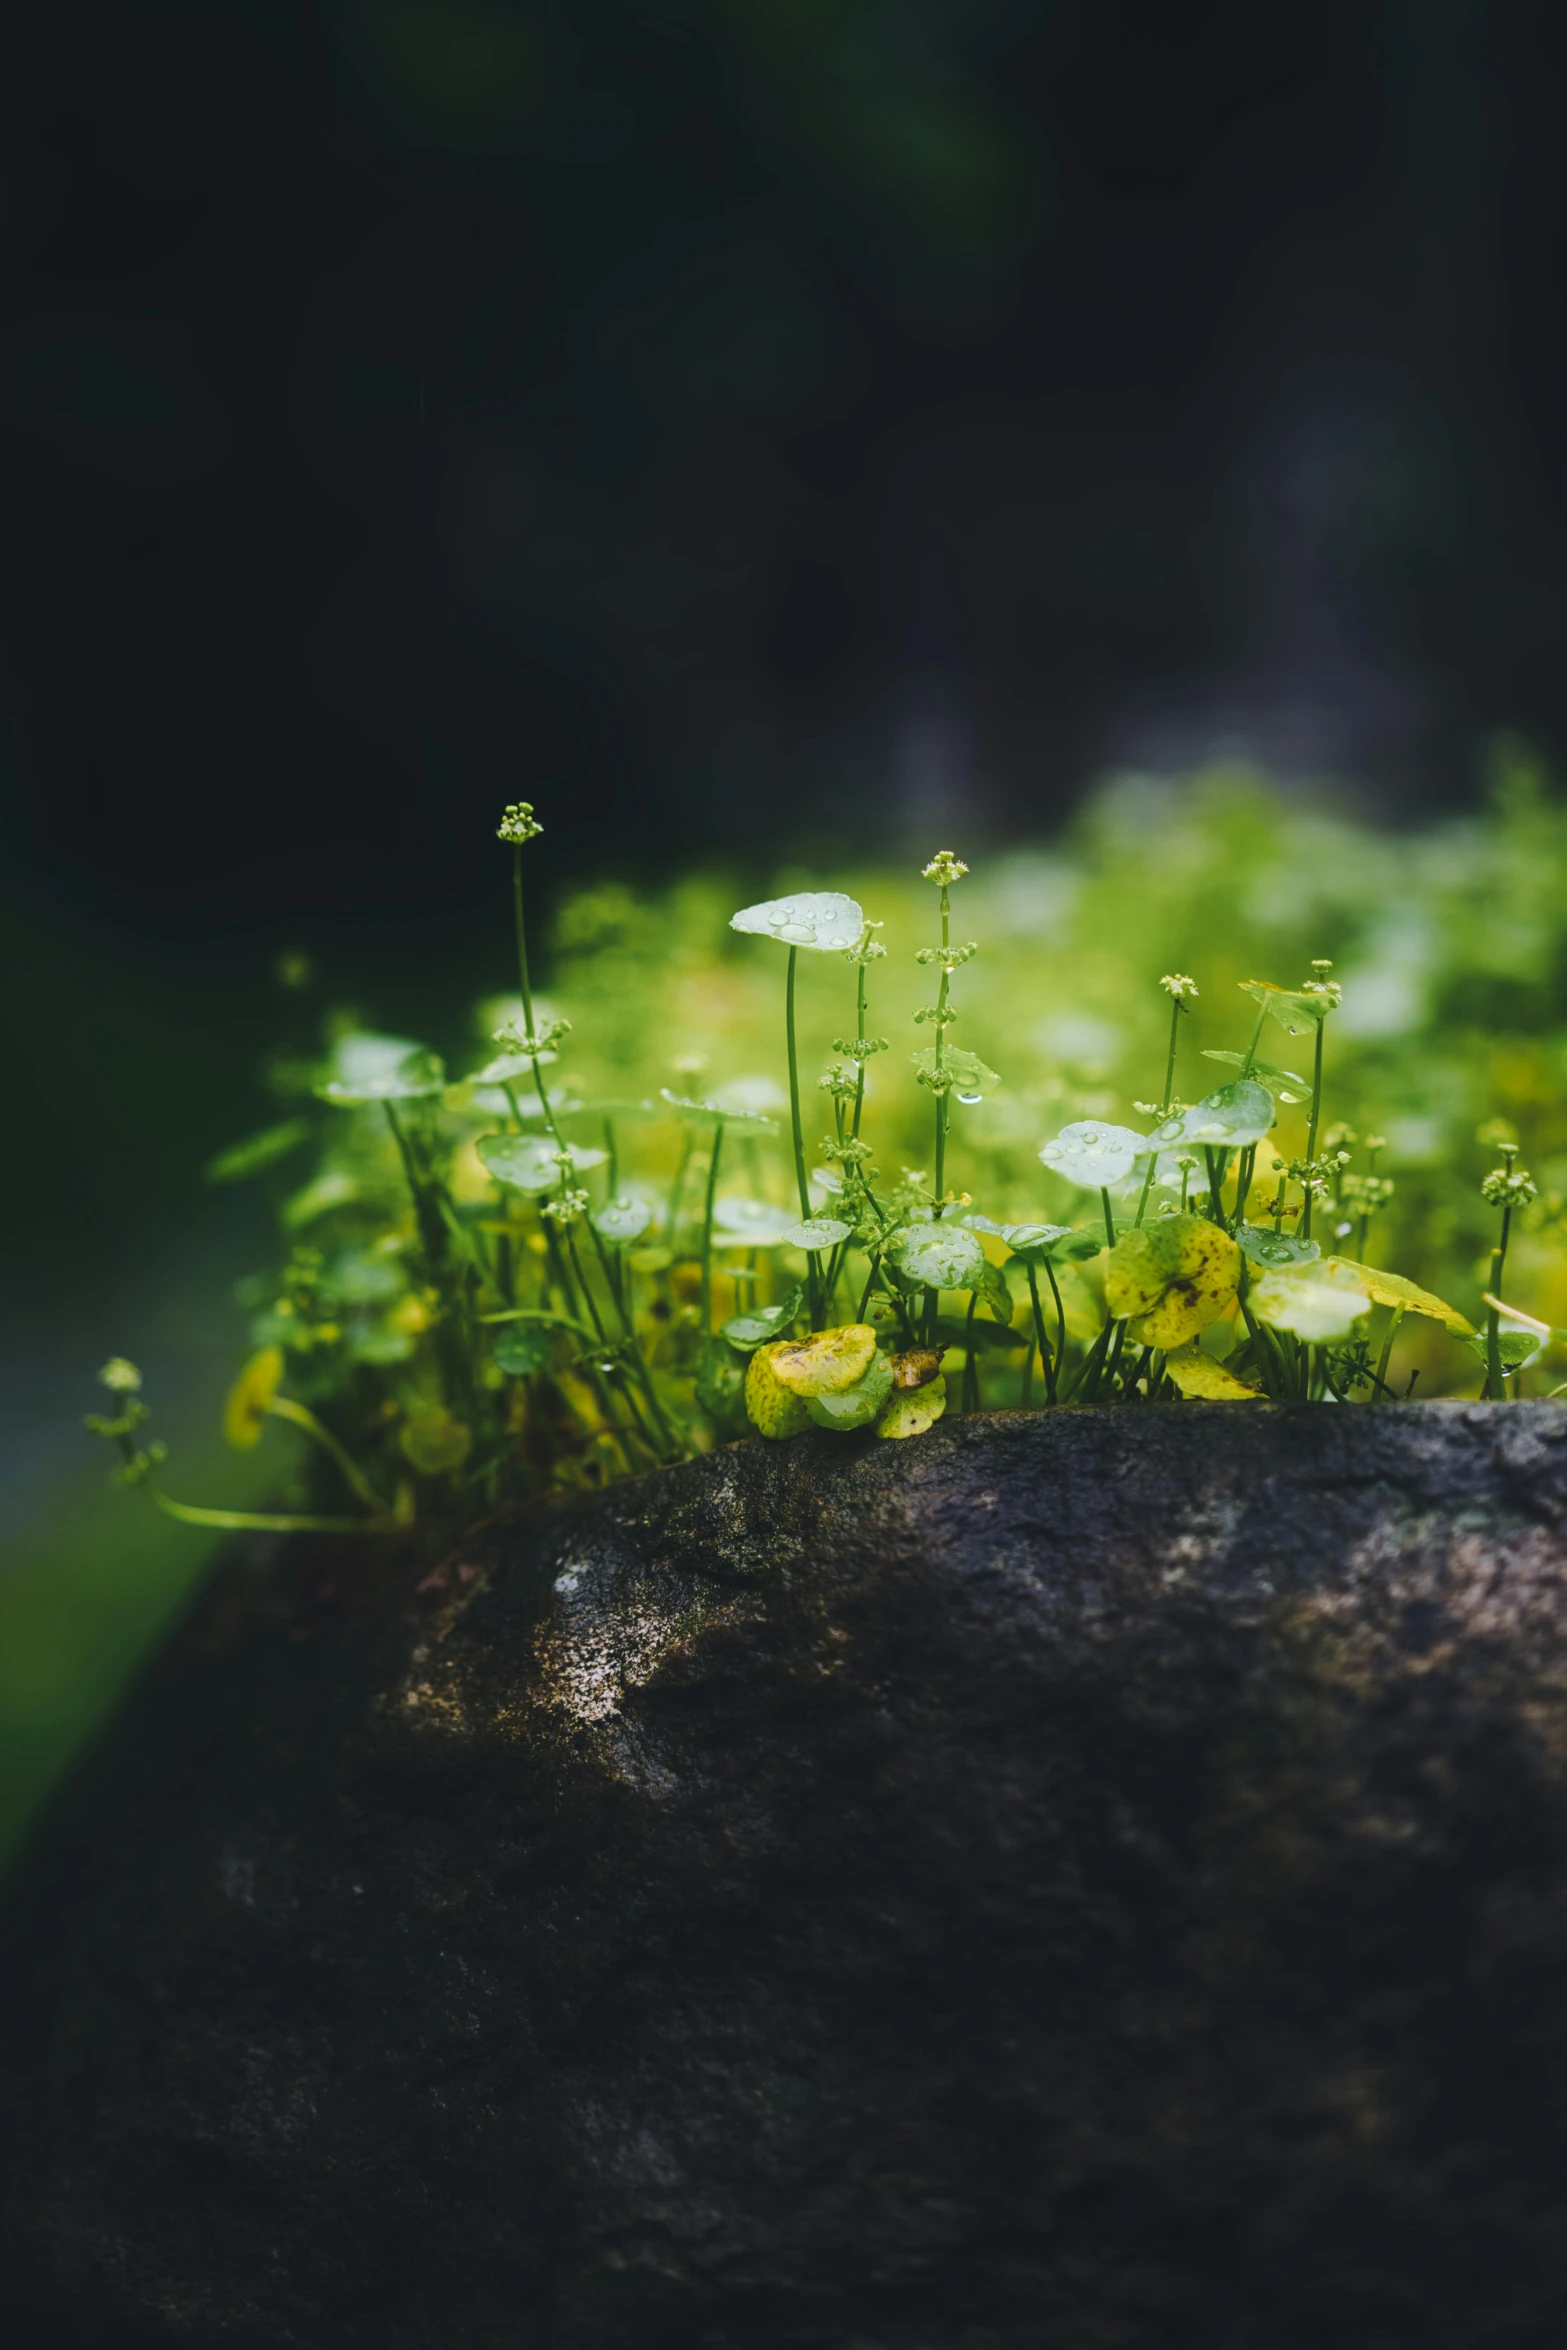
pixel 1095 1880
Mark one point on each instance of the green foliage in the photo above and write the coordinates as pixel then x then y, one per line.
pixel 557 1272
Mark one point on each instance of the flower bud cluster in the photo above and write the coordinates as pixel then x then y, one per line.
pixel 1509 1187
pixel 517 1039
pixel 518 824
pixel 944 868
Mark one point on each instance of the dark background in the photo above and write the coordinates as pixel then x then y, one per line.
pixel 753 424
pixel 748 428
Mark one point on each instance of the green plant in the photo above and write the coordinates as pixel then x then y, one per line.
pixel 562 1268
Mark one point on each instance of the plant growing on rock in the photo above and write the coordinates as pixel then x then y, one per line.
pixel 525 1280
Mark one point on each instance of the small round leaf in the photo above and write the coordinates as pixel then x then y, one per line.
pixel 1092 1154
pixel 939 1256
pixel 821 918
pixel 816 1233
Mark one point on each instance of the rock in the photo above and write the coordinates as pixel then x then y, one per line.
pixel 1091 1881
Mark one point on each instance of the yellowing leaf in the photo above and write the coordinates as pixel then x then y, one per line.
pixel 1197 1374
pixel 1314 1301
pixel 913 1410
pixel 774 1409
pixel 856 1406
pixel 1177 1274
pixel 1391 1289
pixel 826 1363
pixel 435 1442
pixel 250 1398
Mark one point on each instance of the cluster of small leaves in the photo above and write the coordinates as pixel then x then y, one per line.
pixel 508 1284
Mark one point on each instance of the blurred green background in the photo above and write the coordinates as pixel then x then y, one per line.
pixel 776 438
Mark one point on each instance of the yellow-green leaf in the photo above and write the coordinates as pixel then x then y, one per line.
pixel 774 1409
pixel 1296 1009
pixel 250 1398
pixel 856 1406
pixel 435 1442
pixel 1177 1275
pixel 913 1410
pixel 826 1363
pixel 1197 1374
pixel 1391 1289
pixel 1315 1302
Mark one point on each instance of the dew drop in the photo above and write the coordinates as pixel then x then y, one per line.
pixel 969 1099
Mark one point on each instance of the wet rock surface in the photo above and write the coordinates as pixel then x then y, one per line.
pixel 1081 1881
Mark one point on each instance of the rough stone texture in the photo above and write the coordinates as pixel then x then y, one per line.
pixel 1090 1882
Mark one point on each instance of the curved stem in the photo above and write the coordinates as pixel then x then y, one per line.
pixel 1387 1345
pixel 264 1522
pixel 537 1314
pixel 283 1407
pixel 1060 1354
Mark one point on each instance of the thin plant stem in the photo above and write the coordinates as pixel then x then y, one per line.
pixel 707 1233
pixel 283 1407
pixel 1495 1386
pixel 1104 1200
pixel 970 1375
pixel 600 1384
pixel 264 1522
pixel 450 1350
pixel 1387 1345
pixel 941 1047
pixel 812 1278
pixel 633 1353
pixel 1312 1123
pixel 1086 1383
pixel 1164 1105
pixel 1256 1039
pixel 1217 1186
pixel 939 1090
pixel 538 1314
pixel 1046 1360
pixel 678 1186
pixel 1060 1353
